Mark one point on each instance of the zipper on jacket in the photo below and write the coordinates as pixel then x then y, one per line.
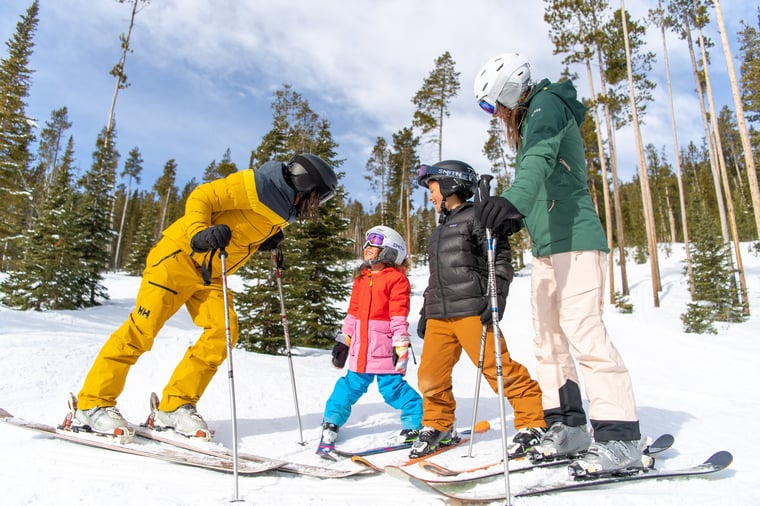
pixel 565 164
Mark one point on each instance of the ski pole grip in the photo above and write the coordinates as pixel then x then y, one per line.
pixel 484 188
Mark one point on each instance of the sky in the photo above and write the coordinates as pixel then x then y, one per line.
pixel 202 75
pixel 700 388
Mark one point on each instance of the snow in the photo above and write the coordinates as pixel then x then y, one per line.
pixel 700 388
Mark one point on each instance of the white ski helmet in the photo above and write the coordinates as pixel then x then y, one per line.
pixel 391 242
pixel 502 79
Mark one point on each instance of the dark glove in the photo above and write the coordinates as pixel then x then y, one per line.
pixel 486 316
pixel 509 227
pixel 421 327
pixel 422 324
pixel 340 354
pixel 494 211
pixel 272 242
pixel 214 237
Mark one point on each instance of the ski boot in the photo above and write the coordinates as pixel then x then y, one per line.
pixel 185 421
pixel 100 421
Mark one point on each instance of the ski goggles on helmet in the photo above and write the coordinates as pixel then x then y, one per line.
pixel 374 239
pixel 487 106
pixel 428 172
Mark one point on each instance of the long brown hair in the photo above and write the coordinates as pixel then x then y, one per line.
pixel 308 207
pixel 513 119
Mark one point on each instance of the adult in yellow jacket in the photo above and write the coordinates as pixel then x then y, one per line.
pixel 241 213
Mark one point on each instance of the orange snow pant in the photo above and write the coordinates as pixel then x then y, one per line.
pixel 170 279
pixel 444 341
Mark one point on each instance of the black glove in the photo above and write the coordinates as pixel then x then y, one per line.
pixel 422 324
pixel 214 237
pixel 509 227
pixel 272 242
pixel 494 211
pixel 486 316
pixel 340 354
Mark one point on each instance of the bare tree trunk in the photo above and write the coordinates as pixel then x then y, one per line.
pixel 740 120
pixel 679 179
pixel 643 176
pixel 615 182
pixel 605 186
pixel 119 238
pixel 708 135
pixel 724 179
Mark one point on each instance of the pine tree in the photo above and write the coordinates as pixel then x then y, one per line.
pixel 48 273
pixel 93 212
pixel 432 100
pixel 315 252
pixel 145 236
pixel 166 191
pixel 16 137
pixel 715 295
pixel 132 169
pixel 222 169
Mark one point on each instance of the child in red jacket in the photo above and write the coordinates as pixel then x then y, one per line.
pixel 375 339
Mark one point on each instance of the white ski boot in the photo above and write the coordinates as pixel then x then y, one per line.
pixel 102 421
pixel 184 420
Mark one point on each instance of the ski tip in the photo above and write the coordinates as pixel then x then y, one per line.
pixel 5 414
pixel 661 444
pixel 720 460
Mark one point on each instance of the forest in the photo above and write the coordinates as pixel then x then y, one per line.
pixel 61 230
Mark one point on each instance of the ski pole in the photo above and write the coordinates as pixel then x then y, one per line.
pixel 233 408
pixel 484 190
pixel 277 258
pixel 477 387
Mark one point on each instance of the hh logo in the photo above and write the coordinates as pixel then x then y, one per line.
pixel 143 312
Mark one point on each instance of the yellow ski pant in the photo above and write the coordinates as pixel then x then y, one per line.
pixel 170 279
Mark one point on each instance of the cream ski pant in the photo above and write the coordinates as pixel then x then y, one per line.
pixel 567 303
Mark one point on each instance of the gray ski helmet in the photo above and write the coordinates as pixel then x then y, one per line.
pixel 307 173
pixel 453 176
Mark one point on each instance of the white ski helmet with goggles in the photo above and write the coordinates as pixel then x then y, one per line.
pixel 392 244
pixel 453 176
pixel 502 79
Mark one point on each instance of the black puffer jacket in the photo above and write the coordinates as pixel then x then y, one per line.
pixel 457 252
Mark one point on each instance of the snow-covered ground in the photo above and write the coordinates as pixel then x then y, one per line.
pixel 701 388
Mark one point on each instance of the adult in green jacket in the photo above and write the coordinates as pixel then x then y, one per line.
pixel 550 197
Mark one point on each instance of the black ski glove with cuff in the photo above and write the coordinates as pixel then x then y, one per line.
pixel 492 212
pixel 272 242
pixel 214 237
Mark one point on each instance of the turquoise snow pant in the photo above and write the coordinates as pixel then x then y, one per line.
pixel 396 392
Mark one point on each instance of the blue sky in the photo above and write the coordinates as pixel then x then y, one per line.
pixel 202 74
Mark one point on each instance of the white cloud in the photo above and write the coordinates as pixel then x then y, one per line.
pixel 203 73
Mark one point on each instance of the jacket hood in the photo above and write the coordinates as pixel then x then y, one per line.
pixel 566 91
pixel 274 191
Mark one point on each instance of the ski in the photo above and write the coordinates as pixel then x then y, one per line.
pixel 363 461
pixel 448 475
pixel 473 492
pixel 142 448
pixel 210 449
pixel 716 462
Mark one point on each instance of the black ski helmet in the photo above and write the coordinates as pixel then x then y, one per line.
pixel 307 173
pixel 453 177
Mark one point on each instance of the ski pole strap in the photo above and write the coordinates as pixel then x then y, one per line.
pixel 206 269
